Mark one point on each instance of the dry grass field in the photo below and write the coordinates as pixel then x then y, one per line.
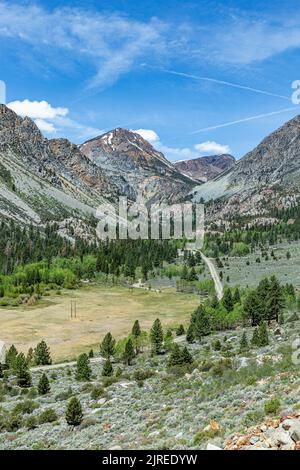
pixel 99 309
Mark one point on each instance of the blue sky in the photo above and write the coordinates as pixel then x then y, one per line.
pixel 182 72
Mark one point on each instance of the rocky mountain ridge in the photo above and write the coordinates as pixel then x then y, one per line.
pixel 207 168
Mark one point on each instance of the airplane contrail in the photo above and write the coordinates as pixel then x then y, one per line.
pixel 251 118
pixel 223 82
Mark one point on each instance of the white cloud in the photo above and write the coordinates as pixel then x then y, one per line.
pixel 36 109
pixel 183 153
pixel 211 147
pixel 53 120
pixel 148 134
pixel 45 126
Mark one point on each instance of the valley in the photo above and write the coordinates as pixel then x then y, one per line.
pixel 100 309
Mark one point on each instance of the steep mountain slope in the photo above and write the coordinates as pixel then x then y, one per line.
pixel 204 169
pixel 266 177
pixel 134 166
pixel 44 179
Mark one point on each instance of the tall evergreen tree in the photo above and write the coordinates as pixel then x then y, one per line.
pixel 83 369
pixel 11 356
pixel 263 335
pixel 156 337
pixel 129 353
pixel 244 343
pixel 107 369
pixel 202 323
pixel 21 371
pixel 255 338
pixel 254 308
pixel 274 302
pixel 42 355
pixel 136 335
pixel 43 385
pixel 107 347
pixel 74 413
pixel 227 299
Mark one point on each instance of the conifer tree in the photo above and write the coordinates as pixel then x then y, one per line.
pixel 274 302
pixel 180 330
pixel 129 353
pixel 255 338
pixel 214 302
pixel 156 337
pixel 21 371
pixel 74 413
pixel 107 348
pixel 136 334
pixel 186 356
pixel 175 358
pixel 107 369
pixel 254 308
pixel 227 299
pixel 83 370
pixel 42 355
pixel 43 385
pixel 236 296
pixel 91 353
pixel 263 335
pixel 190 336
pixel 244 343
pixel 11 356
pixel 202 323
pixel 30 356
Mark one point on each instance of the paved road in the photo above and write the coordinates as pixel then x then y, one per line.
pixel 214 275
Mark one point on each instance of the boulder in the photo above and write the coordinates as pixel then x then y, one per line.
pixel 278 438
pixel 294 431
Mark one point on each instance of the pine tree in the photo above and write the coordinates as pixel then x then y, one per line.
pixel 74 413
pixel 21 371
pixel 156 337
pixel 83 371
pixel 227 299
pixel 42 355
pixel 11 356
pixel 180 330
pixel 30 356
pixel 107 348
pixel 281 319
pixel 136 334
pixel 186 356
pixel 175 358
pixel 244 343
pixel 236 296
pixel 202 323
pixel 43 385
pixel 107 369
pixel 91 353
pixel 214 302
pixel 263 335
pixel 129 353
pixel 254 308
pixel 255 338
pixel 274 302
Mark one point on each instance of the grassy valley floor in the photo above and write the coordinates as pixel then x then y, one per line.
pixel 99 309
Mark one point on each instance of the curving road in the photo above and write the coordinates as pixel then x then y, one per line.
pixel 215 276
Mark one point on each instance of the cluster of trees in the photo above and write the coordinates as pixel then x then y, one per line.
pixel 19 364
pixel 82 260
pixel 263 304
pixel 245 236
pixel 266 302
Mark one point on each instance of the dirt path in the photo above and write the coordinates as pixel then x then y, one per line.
pixel 214 275
pixel 64 364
